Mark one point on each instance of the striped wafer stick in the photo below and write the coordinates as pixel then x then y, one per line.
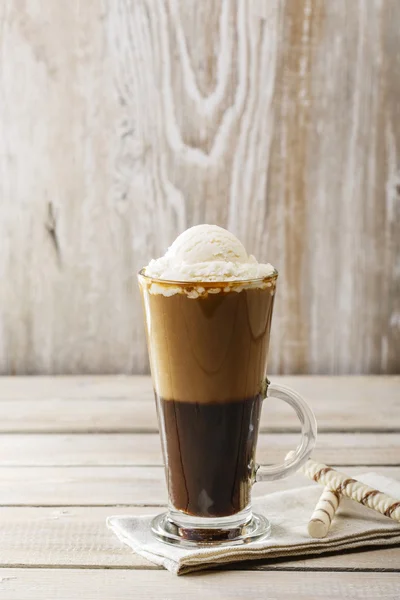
pixel 351 488
pixel 323 514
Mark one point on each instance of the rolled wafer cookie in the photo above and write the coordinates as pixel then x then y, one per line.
pixel 323 514
pixel 344 485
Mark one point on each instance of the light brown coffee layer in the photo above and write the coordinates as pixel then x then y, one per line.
pixel 208 349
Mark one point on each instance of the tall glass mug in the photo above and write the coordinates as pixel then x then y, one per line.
pixel 208 348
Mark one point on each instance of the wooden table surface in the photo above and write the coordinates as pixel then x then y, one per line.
pixel 76 449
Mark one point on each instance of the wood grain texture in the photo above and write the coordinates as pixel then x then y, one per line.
pixel 37 584
pixel 113 486
pixel 52 518
pixel 124 122
pixel 126 404
pixel 77 537
pixel 129 449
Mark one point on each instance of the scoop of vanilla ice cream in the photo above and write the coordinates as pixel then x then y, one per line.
pixel 206 243
pixel 207 253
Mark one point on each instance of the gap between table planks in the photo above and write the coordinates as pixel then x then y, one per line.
pixel 145 449
pixel 125 404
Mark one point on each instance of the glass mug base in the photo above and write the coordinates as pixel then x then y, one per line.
pixel 179 529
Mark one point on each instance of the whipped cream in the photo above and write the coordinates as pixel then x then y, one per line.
pixel 207 253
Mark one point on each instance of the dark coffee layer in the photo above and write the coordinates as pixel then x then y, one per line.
pixel 209 451
pixel 209 349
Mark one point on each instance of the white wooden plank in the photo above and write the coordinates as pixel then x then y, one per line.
pixel 78 387
pixel 57 584
pixel 49 486
pixel 112 486
pixel 145 449
pixel 147 118
pixel 77 537
pixel 62 404
pixel 65 536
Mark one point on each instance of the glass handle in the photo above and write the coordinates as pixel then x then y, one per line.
pixel 295 459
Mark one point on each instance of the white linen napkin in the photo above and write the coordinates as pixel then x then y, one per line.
pixel 353 526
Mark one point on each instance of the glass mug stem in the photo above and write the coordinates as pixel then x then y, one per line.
pixel 297 458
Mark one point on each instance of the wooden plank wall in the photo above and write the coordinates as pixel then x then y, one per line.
pixel 122 122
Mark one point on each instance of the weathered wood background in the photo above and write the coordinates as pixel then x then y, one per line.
pixel 122 122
